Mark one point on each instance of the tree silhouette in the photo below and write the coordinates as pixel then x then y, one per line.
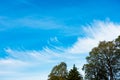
pixel 74 74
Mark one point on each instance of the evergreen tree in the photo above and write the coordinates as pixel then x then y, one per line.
pixel 74 74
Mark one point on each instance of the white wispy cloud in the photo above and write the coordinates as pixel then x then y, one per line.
pixel 23 61
pixel 42 23
pixel 97 31
pixel 26 61
pixel 30 22
pixel 38 22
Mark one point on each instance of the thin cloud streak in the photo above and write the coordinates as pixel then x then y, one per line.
pixel 30 22
pixel 40 23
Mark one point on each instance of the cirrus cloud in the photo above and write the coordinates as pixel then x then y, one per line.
pixel 35 63
pixel 97 31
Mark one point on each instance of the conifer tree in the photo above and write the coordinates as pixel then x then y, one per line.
pixel 74 74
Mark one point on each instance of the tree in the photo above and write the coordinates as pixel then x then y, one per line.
pixel 92 72
pixel 117 42
pixel 59 72
pixel 74 74
pixel 103 61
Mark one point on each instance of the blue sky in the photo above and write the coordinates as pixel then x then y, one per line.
pixel 36 35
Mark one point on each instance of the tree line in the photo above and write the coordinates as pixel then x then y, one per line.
pixel 103 63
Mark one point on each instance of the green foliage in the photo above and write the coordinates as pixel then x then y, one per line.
pixel 59 72
pixel 103 61
pixel 74 74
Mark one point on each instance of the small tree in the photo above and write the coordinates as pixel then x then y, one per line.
pixel 59 72
pixel 74 74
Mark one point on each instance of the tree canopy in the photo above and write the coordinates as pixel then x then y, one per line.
pixel 59 72
pixel 103 61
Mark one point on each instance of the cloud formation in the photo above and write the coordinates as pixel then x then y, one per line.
pixel 35 63
pixel 95 32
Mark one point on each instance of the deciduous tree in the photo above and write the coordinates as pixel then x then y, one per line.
pixel 59 72
pixel 103 61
